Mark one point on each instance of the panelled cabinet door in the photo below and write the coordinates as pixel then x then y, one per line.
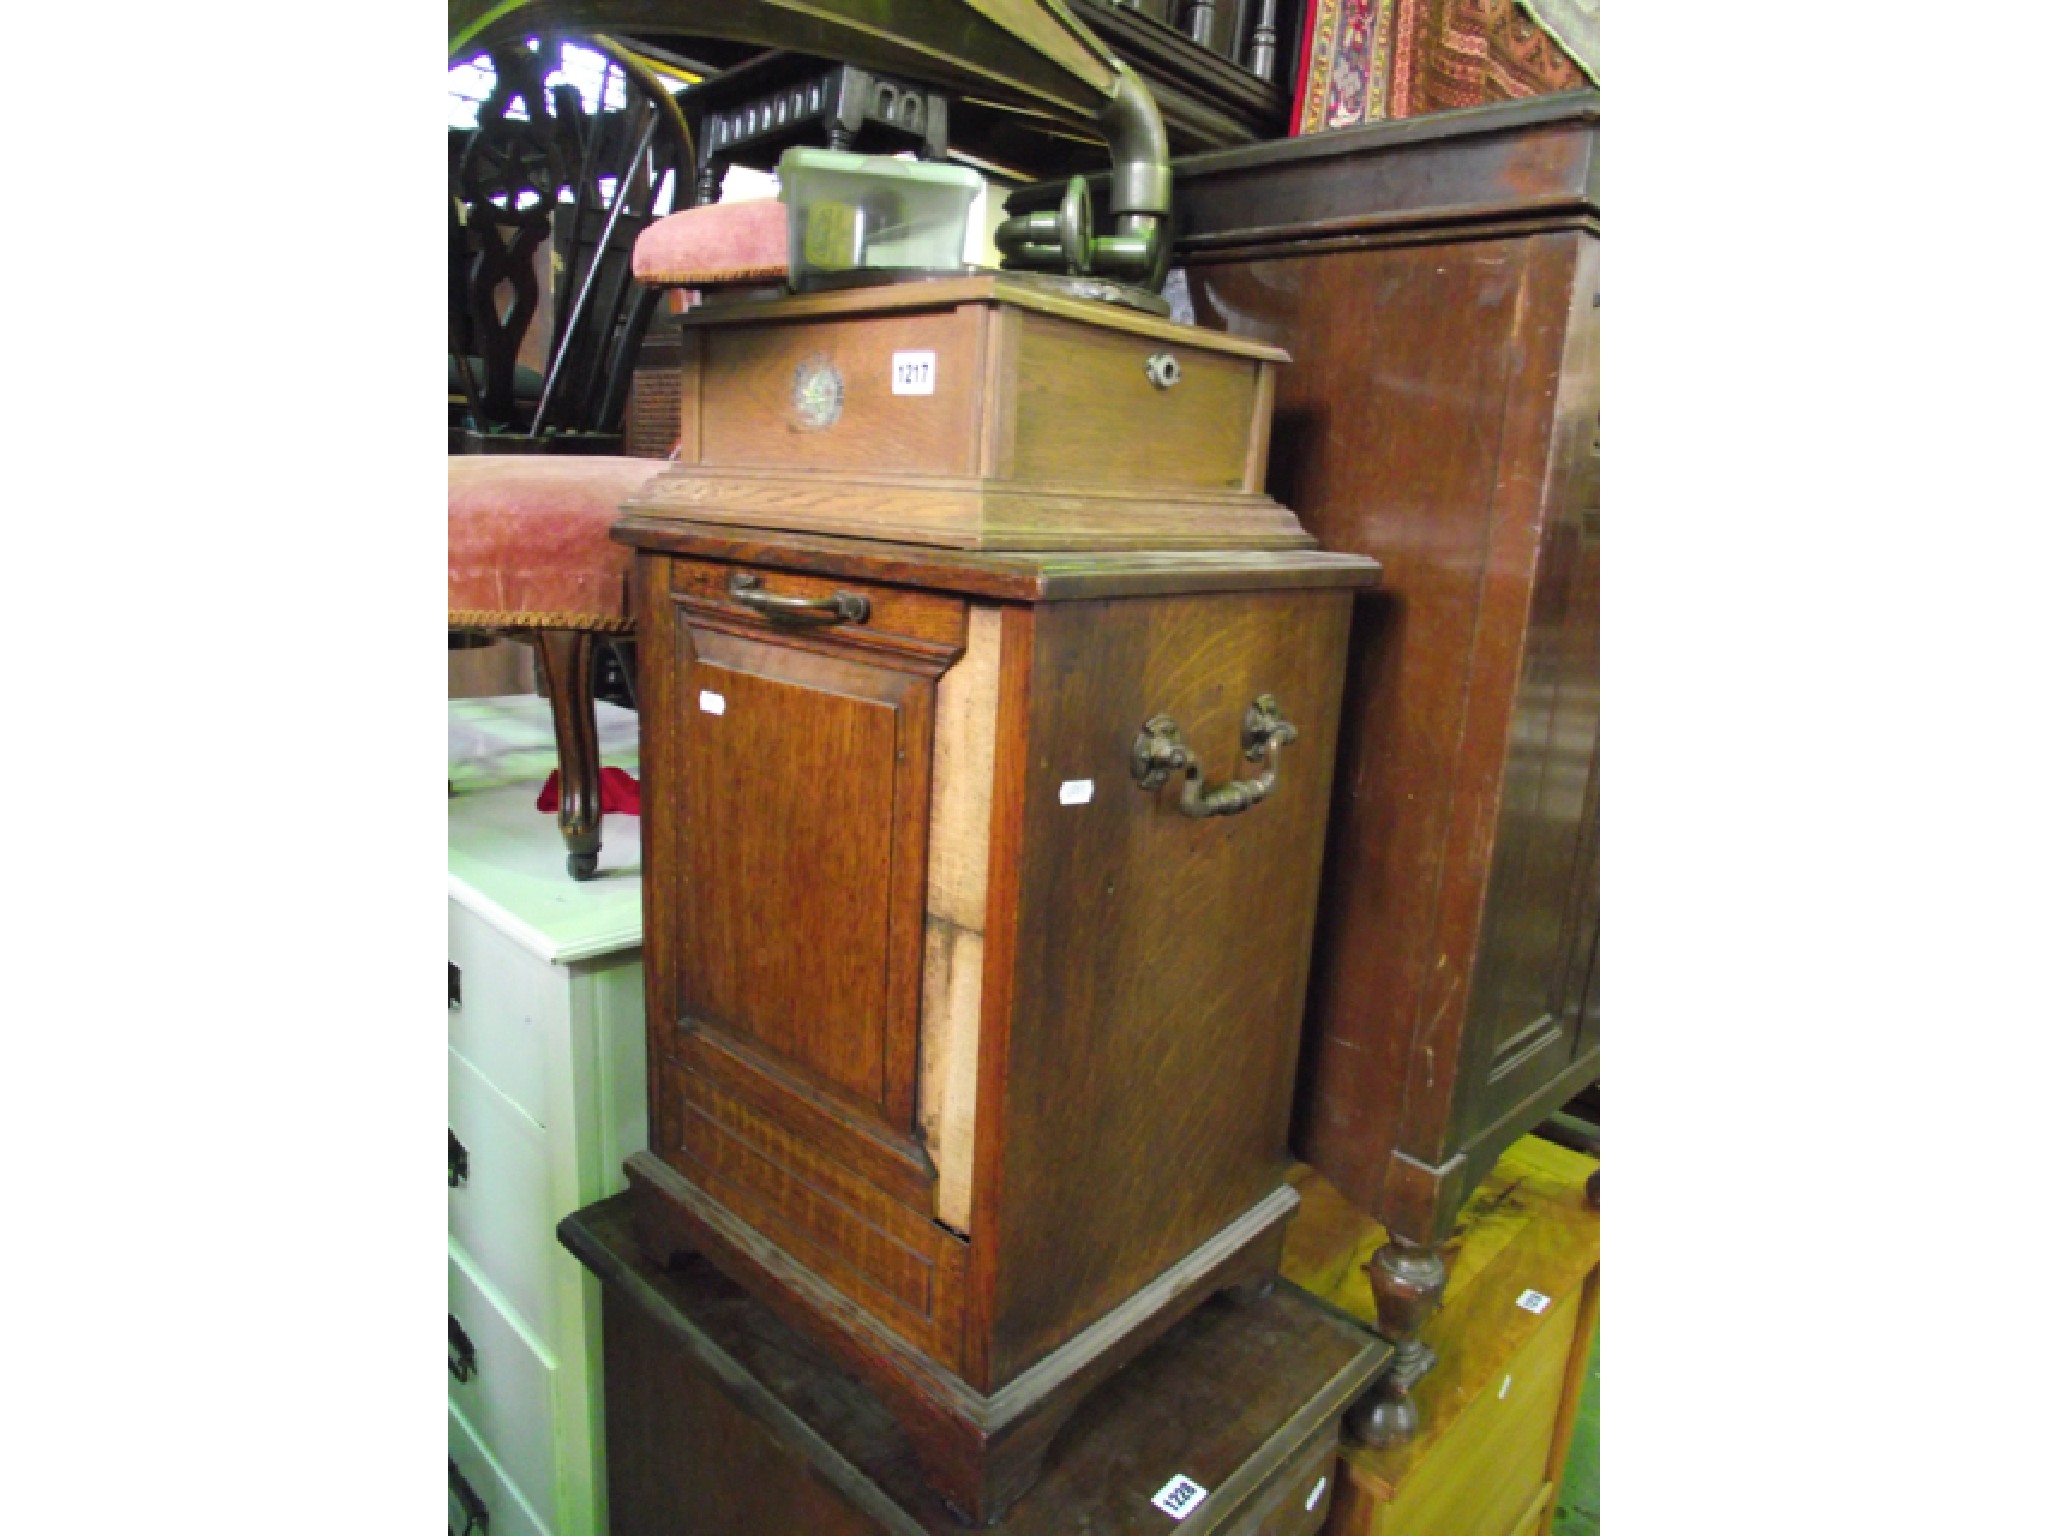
pixel 802 776
pixel 1537 946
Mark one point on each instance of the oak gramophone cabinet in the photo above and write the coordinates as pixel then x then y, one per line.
pixel 982 848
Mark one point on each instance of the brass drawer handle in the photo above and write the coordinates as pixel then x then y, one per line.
pixel 1160 751
pixel 839 608
pixel 461 1353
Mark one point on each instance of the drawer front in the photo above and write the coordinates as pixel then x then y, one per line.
pixel 913 621
pixel 501 1214
pixel 1087 410
pixel 503 1512
pixel 821 395
pixel 507 1398
pixel 508 997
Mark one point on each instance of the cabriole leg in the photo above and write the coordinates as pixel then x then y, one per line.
pixel 568 664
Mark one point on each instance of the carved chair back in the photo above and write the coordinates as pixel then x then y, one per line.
pixel 546 174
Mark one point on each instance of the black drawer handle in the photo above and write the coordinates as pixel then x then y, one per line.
pixel 461 1353
pixel 458 1162
pixel 454 987
pixel 839 608
pixel 476 1517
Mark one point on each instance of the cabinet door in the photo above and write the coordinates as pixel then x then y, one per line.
pixel 802 776
pixel 1525 1024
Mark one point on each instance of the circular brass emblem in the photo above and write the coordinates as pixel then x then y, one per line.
pixel 817 395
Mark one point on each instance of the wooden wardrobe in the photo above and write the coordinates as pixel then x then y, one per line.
pixel 1437 284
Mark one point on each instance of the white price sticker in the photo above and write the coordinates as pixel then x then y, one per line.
pixel 1533 1301
pixel 1180 1496
pixel 914 373
pixel 711 703
pixel 1076 791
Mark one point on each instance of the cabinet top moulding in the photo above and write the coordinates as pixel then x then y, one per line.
pixel 1022 577
pixel 1515 166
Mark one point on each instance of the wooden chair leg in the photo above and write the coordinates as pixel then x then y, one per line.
pixel 568 664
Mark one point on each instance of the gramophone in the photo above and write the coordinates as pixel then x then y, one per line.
pixel 1035 54
pixel 1070 413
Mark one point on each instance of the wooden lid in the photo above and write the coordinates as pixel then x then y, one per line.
pixel 978 287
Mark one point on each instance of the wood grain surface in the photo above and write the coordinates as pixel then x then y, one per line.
pixel 1438 289
pixel 752 412
pixel 1083 400
pixel 1160 961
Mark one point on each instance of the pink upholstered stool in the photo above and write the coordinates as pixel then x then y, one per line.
pixel 718 244
pixel 530 554
pixel 529 534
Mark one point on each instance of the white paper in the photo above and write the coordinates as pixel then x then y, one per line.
pixel 913 373
pixel 1180 1496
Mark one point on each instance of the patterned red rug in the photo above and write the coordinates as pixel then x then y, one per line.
pixel 1370 60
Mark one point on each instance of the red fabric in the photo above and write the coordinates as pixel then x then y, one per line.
pixel 717 243
pixel 531 534
pixel 618 792
pixel 1371 60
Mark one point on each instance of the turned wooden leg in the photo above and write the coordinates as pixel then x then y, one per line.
pixel 568 661
pixel 1407 1285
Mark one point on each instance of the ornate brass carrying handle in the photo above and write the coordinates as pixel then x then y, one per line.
pixel 839 608
pixel 1159 751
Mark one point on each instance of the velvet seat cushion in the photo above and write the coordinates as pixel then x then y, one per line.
pixel 529 541
pixel 717 243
